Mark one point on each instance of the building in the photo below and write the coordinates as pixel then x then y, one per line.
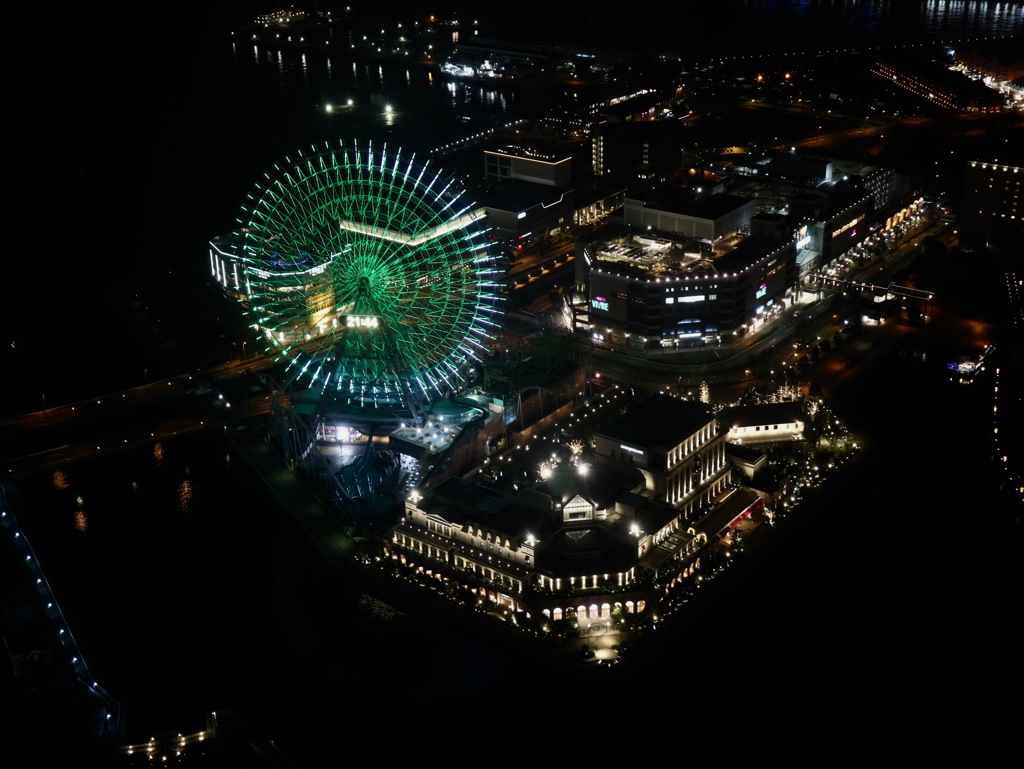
pixel 676 445
pixel 226 266
pixel 672 210
pixel 641 155
pixel 528 162
pixel 522 213
pixel 591 536
pixel 993 207
pixel 653 291
pixel 844 223
pixel 937 83
pixel 762 423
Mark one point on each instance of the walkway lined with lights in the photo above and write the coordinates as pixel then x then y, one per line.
pixel 48 626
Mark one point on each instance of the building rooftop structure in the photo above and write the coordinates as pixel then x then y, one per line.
pixel 657 422
pixel 650 254
pixel 678 200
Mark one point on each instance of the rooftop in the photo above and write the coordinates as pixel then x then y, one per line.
pixel 660 421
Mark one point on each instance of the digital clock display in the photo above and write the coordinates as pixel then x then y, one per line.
pixel 362 321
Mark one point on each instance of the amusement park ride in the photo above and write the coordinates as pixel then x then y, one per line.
pixel 371 280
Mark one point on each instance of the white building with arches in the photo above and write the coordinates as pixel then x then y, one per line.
pixel 598 536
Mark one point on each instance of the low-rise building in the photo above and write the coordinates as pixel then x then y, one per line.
pixel 762 423
pixel 591 536
pixel 647 290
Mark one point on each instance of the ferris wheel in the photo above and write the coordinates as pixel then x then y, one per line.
pixel 371 277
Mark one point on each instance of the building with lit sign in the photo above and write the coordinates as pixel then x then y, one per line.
pixel 692 273
pixel 845 223
pixel 649 291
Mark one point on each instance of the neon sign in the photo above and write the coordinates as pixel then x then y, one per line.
pixel 599 303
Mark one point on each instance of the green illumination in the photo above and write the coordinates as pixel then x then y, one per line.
pixel 348 231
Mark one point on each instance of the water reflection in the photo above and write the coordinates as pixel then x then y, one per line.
pixel 431 109
pixel 184 496
pixel 59 480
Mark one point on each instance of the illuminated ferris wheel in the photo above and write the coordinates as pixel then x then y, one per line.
pixel 371 277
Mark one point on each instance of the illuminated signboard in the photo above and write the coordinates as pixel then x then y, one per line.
pixel 630 449
pixel 599 303
pixel 761 291
pixel 362 321
pixel 847 226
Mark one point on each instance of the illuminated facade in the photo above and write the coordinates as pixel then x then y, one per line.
pixel 656 292
pixel 845 223
pixel 226 267
pixel 529 164
pixel 762 423
pixel 676 445
pixel 596 535
pixel 938 84
pixel 682 273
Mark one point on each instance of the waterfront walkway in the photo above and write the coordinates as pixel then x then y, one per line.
pixel 54 706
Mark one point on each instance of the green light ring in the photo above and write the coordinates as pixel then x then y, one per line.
pixel 435 297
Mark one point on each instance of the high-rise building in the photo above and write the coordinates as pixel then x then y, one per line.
pixel 993 207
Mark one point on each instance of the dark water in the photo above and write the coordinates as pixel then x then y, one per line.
pixel 188 591
pixel 876 626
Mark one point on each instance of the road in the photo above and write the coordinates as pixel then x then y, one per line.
pixel 150 413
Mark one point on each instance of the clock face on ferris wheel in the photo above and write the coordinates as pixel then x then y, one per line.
pixel 370 275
